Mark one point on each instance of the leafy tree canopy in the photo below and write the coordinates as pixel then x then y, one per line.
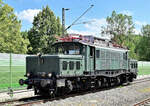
pixel 120 29
pixel 143 48
pixel 10 36
pixel 146 30
pixel 118 24
pixel 42 34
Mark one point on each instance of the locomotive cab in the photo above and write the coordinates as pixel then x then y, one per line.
pixel 66 53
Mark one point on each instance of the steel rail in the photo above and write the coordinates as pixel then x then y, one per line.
pixel 143 103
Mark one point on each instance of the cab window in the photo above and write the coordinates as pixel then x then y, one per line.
pixel 68 48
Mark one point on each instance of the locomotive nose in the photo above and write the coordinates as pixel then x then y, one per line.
pixel 21 81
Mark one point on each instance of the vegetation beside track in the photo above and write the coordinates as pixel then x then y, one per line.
pixel 18 72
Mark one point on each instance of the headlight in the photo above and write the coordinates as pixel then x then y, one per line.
pixel 50 74
pixel 28 74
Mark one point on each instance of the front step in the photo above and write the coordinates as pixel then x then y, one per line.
pixel 92 84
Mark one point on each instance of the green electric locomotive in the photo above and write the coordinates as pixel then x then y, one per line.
pixel 79 63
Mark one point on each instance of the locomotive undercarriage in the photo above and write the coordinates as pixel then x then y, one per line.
pixel 64 85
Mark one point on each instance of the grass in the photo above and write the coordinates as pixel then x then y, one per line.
pixel 144 70
pixel 18 72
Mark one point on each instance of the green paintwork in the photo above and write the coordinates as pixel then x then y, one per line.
pixel 45 63
pixel 53 63
pixel 73 58
pixel 109 59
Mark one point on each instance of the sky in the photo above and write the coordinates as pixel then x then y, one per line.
pixel 138 9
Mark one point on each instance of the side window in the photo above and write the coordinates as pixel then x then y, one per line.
pixel 131 65
pixel 71 65
pixel 136 65
pixel 91 51
pixel 97 53
pixel 78 65
pixel 125 56
pixel 64 65
pixel 83 50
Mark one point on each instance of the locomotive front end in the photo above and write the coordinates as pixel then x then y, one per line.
pixel 41 72
pixel 49 74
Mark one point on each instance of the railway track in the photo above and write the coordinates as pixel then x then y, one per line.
pixel 145 102
pixel 40 99
pixel 141 80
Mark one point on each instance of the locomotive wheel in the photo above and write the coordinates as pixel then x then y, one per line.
pixel 58 91
pixel 109 82
pixel 36 91
pixel 118 81
pixel 99 83
pixel 52 94
pixel 104 82
pixel 130 79
pixel 61 91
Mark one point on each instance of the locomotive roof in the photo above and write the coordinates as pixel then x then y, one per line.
pixel 97 46
pixel 133 60
pixel 57 56
pixel 107 47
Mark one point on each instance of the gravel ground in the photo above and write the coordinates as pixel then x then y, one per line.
pixel 121 96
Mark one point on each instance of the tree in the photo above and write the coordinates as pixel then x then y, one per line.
pixel 59 27
pixel 10 36
pixel 42 34
pixel 24 35
pixel 120 29
pixel 146 30
pixel 143 48
pixel 132 41
pixel 118 25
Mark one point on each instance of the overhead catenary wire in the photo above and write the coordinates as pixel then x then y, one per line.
pixel 74 22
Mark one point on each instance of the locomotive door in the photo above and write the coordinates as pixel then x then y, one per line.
pixel 92 59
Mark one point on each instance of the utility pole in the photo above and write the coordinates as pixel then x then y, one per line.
pixel 63 20
pixel 74 22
